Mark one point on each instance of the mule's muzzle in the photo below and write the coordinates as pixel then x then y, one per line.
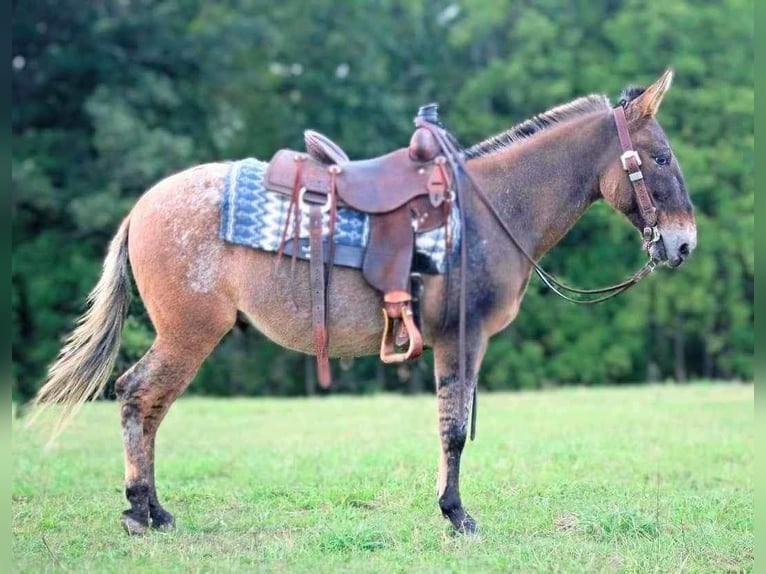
pixel 674 247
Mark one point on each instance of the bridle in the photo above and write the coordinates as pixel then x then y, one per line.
pixel 631 163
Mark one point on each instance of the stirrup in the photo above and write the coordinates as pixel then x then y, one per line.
pixel 388 345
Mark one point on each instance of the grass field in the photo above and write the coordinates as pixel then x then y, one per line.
pixel 641 479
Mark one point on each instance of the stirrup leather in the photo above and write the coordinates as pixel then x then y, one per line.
pixel 399 329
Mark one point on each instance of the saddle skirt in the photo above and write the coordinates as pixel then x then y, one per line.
pixel 254 217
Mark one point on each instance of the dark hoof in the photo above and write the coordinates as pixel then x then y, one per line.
pixel 163 520
pixel 133 526
pixel 467 526
pixel 461 521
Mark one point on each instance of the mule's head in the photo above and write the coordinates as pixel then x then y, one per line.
pixel 661 172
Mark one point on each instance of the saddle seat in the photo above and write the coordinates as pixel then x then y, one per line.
pixel 404 191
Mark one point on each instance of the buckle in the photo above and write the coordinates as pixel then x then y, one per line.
pixel 650 266
pixel 325 207
pixel 631 153
pixel 651 234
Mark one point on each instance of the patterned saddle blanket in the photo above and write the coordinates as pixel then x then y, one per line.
pixel 254 217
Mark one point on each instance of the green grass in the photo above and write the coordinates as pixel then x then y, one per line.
pixel 641 479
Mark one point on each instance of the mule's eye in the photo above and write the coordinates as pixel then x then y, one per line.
pixel 662 159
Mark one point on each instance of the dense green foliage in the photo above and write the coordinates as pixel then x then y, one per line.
pixel 632 479
pixel 111 96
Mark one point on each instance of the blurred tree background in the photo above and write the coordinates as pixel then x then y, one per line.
pixel 110 96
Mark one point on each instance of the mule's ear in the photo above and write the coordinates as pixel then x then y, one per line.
pixel 647 104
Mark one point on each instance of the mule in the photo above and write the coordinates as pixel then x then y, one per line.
pixel 540 176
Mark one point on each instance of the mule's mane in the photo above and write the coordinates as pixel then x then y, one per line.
pixel 630 93
pixel 538 124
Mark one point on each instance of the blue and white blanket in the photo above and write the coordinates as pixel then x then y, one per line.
pixel 255 217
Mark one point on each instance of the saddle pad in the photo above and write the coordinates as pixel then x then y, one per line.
pixel 254 217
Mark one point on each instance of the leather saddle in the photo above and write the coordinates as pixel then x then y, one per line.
pixel 406 191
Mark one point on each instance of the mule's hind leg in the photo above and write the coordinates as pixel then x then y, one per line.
pixel 454 403
pixel 160 517
pixel 129 389
pixel 145 393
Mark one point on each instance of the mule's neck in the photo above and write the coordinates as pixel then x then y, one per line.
pixel 543 185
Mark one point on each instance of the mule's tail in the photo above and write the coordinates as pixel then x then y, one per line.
pixel 85 362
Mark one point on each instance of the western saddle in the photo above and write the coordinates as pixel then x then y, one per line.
pixel 406 191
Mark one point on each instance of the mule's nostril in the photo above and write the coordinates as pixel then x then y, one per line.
pixel 684 250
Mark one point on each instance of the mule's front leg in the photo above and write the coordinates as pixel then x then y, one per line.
pixel 454 402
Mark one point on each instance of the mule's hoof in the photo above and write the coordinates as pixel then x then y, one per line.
pixel 132 526
pixel 463 523
pixel 468 525
pixel 164 526
pixel 163 520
